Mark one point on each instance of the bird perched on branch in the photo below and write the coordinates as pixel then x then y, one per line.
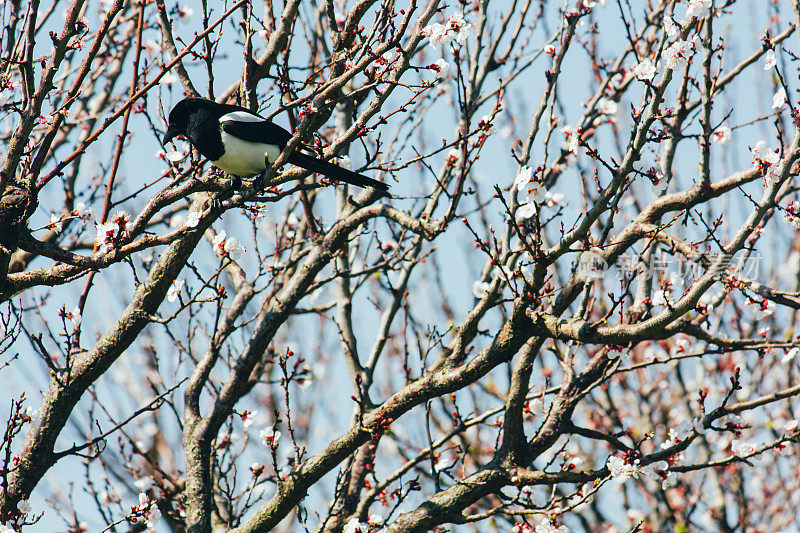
pixel 244 144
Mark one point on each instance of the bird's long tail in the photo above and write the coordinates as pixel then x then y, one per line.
pixel 335 172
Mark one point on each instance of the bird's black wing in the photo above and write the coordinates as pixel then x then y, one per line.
pixel 265 131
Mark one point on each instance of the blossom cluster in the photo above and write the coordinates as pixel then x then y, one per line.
pixel 110 232
pixel 545 526
pixel 678 54
pixel 227 246
pixel 697 9
pixel 767 159
pixel 454 28
pixel 792 214
pixel 270 437
pixel 355 526
pixel 147 510
pixel 622 469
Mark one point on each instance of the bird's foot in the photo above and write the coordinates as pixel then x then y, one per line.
pixel 216 204
pixel 226 194
pixel 259 182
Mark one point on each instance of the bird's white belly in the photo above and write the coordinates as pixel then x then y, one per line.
pixel 243 158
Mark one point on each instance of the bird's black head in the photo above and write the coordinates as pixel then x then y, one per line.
pixel 186 112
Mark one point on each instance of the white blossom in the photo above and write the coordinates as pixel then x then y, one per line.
pixel 108 232
pixel 344 161
pixel 536 192
pixel 174 156
pixel 678 54
pixel 546 527
pixel 486 120
pixel 680 346
pixel 437 35
pixel 697 9
pixel 168 78
pixel 790 426
pixel 104 239
pixel 82 212
pixel 461 27
pixel 176 221
pixel 670 27
pixel 765 155
pixel 440 68
pixel 789 355
pixel 55 223
pixel 681 431
pixel 573 139
pixel 234 248
pixel 607 106
pixel 742 448
pixel 33 414
pixel 144 483
pixel 480 288
pixel 661 184
pixel 270 437
pixel 554 199
pixel 620 470
pixel 722 136
pixel 354 526
pixel 152 46
pixel 645 70
pixel 185 14
pixel 455 28
pixel 388 56
pixel 175 290
pixel 153 516
pixel 75 316
pixel 219 242
pixel 249 419
pixel 769 59
pixel 230 246
pixel 653 470
pixel 661 298
pixel 670 480
pixel 526 210
pixel 766 309
pixel 523 177
pixel 635 516
pixel 24 506
pixel 779 98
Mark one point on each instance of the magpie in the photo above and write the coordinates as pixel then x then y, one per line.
pixel 244 144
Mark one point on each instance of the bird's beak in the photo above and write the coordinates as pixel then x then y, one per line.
pixel 170 134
